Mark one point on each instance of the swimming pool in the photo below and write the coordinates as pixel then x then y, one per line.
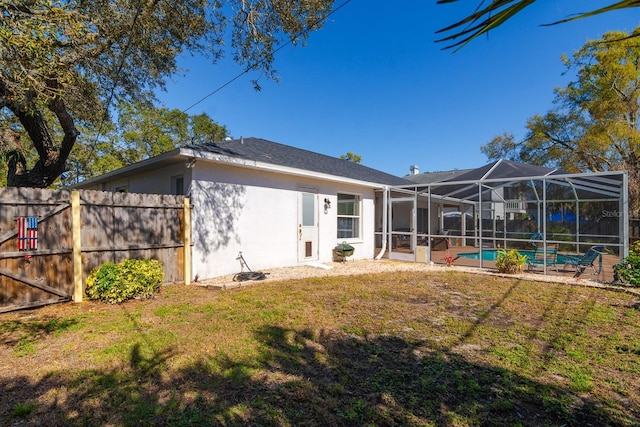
pixel 491 254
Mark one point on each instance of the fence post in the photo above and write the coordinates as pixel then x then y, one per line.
pixel 77 246
pixel 187 240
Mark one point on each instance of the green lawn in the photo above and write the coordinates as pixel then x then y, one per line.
pixel 404 348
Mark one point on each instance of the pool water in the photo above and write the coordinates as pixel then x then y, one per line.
pixel 491 254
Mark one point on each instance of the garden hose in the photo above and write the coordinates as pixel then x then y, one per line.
pixel 247 275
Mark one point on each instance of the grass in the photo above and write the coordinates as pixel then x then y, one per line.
pixel 403 348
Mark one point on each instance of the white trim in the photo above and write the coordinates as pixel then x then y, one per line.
pixel 181 154
pixel 286 170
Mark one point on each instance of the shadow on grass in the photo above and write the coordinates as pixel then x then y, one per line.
pixel 299 378
pixel 19 331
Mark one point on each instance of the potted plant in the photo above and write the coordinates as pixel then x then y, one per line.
pixel 342 251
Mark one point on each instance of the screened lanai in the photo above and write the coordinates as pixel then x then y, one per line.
pixel 504 205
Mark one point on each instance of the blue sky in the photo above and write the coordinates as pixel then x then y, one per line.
pixel 374 82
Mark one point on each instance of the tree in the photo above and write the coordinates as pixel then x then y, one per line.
pixel 150 131
pixel 497 12
pixel 142 131
pixel 594 123
pixel 65 63
pixel 351 157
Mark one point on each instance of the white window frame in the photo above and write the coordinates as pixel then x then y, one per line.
pixel 356 215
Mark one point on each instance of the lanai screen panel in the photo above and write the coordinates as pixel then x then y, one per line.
pixel 508 204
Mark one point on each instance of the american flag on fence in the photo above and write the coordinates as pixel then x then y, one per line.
pixel 27 233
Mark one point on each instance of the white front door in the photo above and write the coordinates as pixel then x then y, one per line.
pixel 308 227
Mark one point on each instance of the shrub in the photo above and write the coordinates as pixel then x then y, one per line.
pixel 628 271
pixel 510 262
pixel 101 281
pixel 131 278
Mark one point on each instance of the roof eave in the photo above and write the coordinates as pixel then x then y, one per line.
pixel 131 169
pixel 270 167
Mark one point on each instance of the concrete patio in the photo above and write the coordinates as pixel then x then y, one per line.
pixel 438 257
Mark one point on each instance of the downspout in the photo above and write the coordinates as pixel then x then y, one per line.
pixel 463 209
pixel 385 212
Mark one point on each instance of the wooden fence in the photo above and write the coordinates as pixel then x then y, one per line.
pixel 50 240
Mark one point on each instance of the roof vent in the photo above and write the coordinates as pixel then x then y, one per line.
pixel 414 169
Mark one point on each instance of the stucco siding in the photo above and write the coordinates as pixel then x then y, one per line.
pixel 158 181
pixel 256 213
pixel 239 209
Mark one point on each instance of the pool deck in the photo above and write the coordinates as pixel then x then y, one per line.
pixel 606 275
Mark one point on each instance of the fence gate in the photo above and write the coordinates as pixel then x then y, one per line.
pixel 35 248
pixel 37 253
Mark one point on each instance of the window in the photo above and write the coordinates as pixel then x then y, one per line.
pixel 122 189
pixel 177 185
pixel 348 216
pixel 308 210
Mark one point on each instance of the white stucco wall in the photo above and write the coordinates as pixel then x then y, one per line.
pixel 158 181
pixel 256 213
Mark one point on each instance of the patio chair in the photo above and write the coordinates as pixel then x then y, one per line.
pixel 582 262
pixel 441 243
pixel 534 238
pixel 540 259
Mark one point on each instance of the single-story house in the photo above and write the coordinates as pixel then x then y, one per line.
pixel 283 206
pixel 277 205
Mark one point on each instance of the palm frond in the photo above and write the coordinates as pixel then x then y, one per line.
pixel 488 17
pixel 624 4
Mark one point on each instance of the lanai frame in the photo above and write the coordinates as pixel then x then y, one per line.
pixel 484 197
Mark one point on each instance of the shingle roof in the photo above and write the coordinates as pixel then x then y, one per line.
pixel 431 177
pixel 262 150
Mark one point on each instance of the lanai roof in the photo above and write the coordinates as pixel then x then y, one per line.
pixel 465 186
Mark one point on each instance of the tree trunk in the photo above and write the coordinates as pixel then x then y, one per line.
pixel 633 168
pixel 51 161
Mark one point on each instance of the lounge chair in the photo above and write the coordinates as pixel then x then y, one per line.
pixel 582 262
pixel 535 238
pixel 542 258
